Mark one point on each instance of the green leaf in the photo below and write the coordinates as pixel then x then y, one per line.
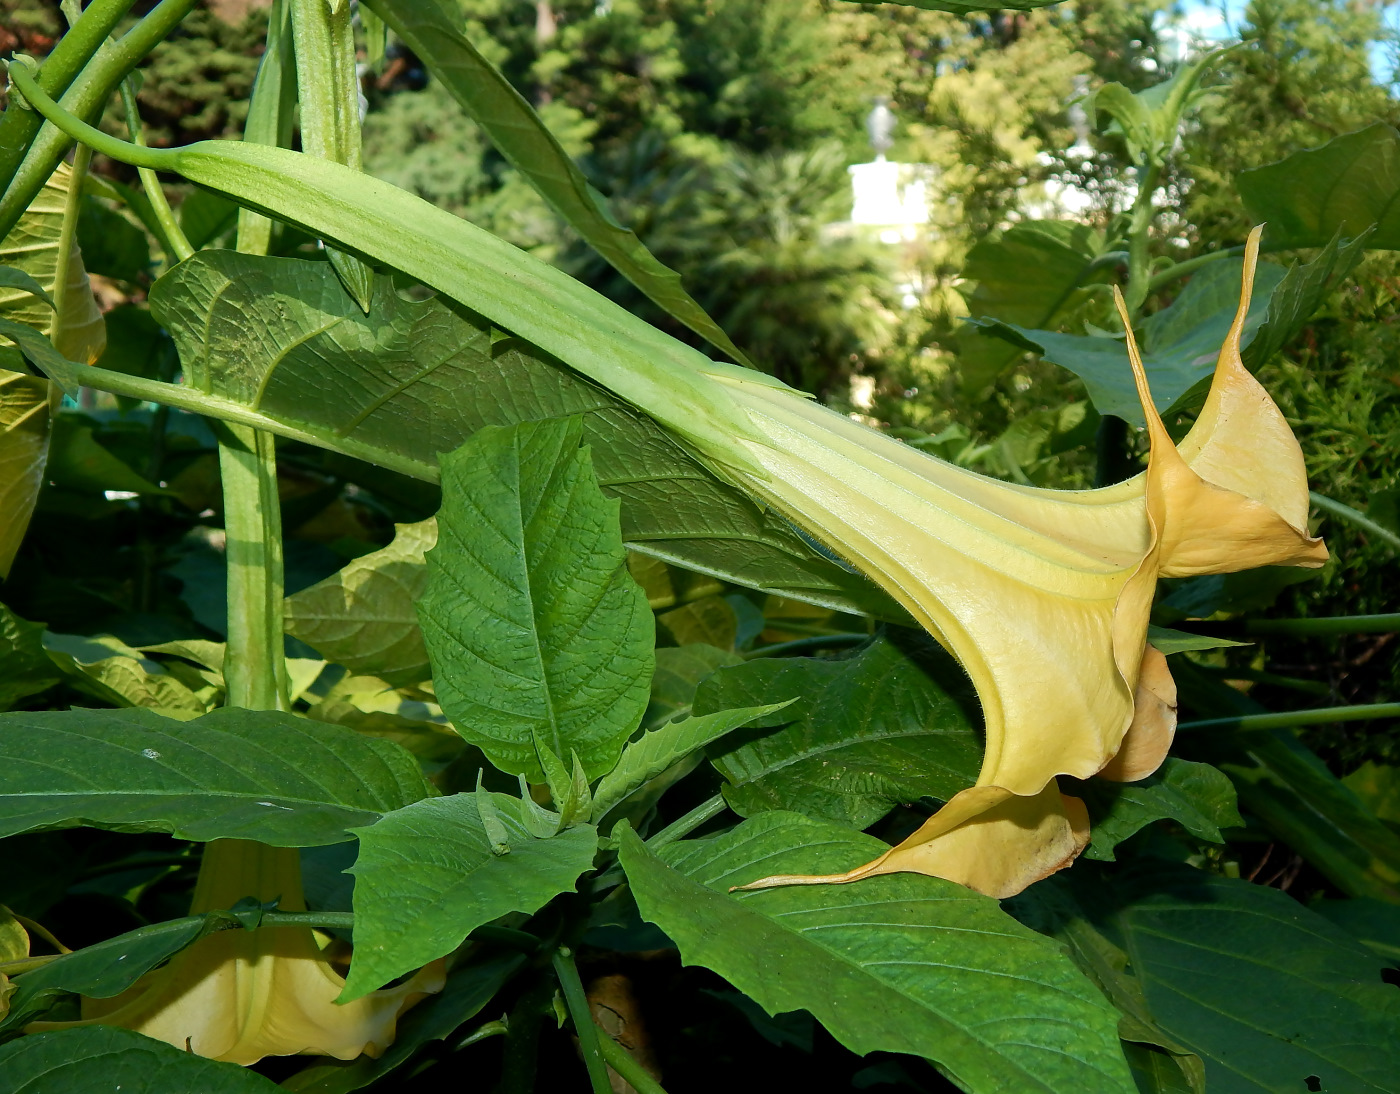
pixel 1029 275
pixel 107 968
pixel 368 705
pixel 1179 343
pixel 963 7
pixel 531 620
pixel 233 773
pixel 709 621
pixel 363 616
pixel 12 278
pixel 1169 641
pixel 469 988
pixel 895 723
pixel 413 379
pixel 81 1061
pixel 1345 186
pixel 899 963
pixel 1198 796
pixel 427 876
pixel 112 672
pixel 112 246
pixel 25 669
pixel 1266 992
pixel 205 216
pixel 26 407
pixel 651 754
pixel 434 32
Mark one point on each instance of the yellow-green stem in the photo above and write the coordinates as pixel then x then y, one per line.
pixel 173 236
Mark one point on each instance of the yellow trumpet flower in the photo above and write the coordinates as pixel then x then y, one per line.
pixel 1042 595
pixel 240 995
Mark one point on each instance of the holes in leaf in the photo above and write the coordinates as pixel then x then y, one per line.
pixel 1391 976
pixel 1314 1083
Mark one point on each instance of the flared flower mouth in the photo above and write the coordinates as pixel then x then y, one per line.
pixel 1042 595
pixel 240 995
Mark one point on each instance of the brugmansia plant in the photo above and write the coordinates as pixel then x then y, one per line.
pixel 509 713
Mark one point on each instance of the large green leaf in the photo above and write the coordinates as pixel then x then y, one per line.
pixel 895 723
pixel 899 963
pixel 1200 797
pixel 1271 996
pixel 93 1058
pixel 413 379
pixel 1179 344
pixel 363 616
pixel 233 773
pixel 469 988
pixel 106 969
pixel 1028 275
pixel 1346 186
pixel 1291 790
pixel 429 874
pixel 534 626
pixel 433 30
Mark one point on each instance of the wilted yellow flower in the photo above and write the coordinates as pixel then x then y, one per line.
pixel 1042 595
pixel 240 995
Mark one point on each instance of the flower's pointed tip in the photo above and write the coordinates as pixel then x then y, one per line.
pixel 782 881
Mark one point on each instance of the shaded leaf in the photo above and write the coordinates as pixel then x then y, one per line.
pixel 1373 923
pixel 895 723
pixel 1180 343
pixel 80 1061
pixel 413 379
pixel 1266 992
pixel 25 669
pixel 1345 186
pixel 78 461
pixel 1028 275
pixel 112 672
pixel 1199 797
pixel 232 773
pixel 434 32
pixel 899 963
pixel 363 616
pixel 368 705
pixel 531 620
pixel 679 671
pixel 709 621
pixel 1170 641
pixel 427 876
pixel 655 751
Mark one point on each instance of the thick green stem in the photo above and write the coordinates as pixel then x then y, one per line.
pixel 1191 265
pixel 706 810
pixel 85 98
pixel 582 1015
pixel 271 114
pixel 254 666
pixel 626 1065
pixel 1292 718
pixel 1351 516
pixel 1139 235
pixel 172 235
pixel 74 50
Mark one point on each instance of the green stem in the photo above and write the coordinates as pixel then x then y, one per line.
pixel 74 50
pixel 271 113
pixel 803 645
pixel 1351 516
pixel 523 941
pixel 582 1014
pixel 67 234
pixel 1191 265
pixel 1293 718
pixel 173 236
pixel 254 666
pixel 706 810
pixel 1318 625
pixel 626 1065
pixel 85 98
